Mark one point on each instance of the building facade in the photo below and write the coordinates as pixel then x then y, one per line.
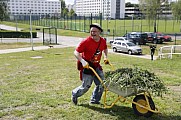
pixel 110 9
pixel 43 7
pixel 132 11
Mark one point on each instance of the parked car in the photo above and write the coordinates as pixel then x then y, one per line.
pixel 166 38
pixel 120 39
pixel 137 37
pixel 126 47
pixel 154 38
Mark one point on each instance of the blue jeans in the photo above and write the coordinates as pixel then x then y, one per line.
pixel 86 84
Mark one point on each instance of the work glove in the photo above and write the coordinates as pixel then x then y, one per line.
pixel 84 63
pixel 106 61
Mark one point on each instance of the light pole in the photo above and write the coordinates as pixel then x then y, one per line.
pixel 107 11
pixel 16 22
pixel 31 39
pixel 154 29
pixel 132 22
pixel 103 9
pixel 180 24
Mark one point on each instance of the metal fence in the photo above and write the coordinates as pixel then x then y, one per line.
pixel 112 27
pixel 169 51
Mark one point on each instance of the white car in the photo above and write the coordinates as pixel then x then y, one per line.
pixel 120 39
pixel 126 47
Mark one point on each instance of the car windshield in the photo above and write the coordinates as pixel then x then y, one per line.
pixel 159 34
pixel 119 39
pixel 153 34
pixel 144 35
pixel 131 44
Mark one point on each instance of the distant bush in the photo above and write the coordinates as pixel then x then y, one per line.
pixel 17 34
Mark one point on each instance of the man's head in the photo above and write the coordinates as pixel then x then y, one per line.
pixel 96 25
pixel 95 30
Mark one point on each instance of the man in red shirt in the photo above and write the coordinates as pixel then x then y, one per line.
pixel 89 53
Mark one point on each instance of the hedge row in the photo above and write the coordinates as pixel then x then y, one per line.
pixel 17 34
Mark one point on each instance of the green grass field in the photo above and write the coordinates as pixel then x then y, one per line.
pixel 37 85
pixel 17 45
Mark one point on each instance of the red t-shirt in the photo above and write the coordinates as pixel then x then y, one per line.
pixel 88 49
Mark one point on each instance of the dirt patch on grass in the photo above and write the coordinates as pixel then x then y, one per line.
pixel 175 88
pixel 36 57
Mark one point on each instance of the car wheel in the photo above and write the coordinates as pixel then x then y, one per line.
pixel 161 41
pixel 114 50
pixel 129 52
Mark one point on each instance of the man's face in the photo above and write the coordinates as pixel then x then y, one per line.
pixel 95 32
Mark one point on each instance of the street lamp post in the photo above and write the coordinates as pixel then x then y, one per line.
pixel 155 25
pixel 180 24
pixel 31 39
pixel 107 11
pixel 132 22
pixel 103 9
pixel 16 23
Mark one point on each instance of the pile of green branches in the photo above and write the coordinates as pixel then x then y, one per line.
pixel 137 78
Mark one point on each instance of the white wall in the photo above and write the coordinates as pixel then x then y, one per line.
pixel 106 7
pixel 37 6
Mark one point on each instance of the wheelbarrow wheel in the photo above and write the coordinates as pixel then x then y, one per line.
pixel 140 99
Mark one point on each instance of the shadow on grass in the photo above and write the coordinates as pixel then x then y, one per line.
pixel 119 111
pixel 127 113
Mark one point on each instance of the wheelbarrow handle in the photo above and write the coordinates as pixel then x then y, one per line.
pixel 97 76
pixel 112 67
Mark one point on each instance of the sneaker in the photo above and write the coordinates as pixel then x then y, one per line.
pixel 74 100
pixel 94 102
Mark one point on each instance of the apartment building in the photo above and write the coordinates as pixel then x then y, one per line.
pixel 129 11
pixel 37 7
pixel 110 9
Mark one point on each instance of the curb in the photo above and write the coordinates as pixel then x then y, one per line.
pixel 30 49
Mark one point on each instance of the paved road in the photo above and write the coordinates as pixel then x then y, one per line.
pixel 63 41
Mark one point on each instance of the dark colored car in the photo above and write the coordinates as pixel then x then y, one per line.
pixel 154 38
pixel 166 38
pixel 137 37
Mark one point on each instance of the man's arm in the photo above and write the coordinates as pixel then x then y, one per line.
pixel 105 54
pixel 79 57
pixel 106 61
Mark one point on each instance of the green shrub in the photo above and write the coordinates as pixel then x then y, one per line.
pixel 17 34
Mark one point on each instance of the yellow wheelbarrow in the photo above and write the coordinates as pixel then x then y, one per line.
pixel 142 104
